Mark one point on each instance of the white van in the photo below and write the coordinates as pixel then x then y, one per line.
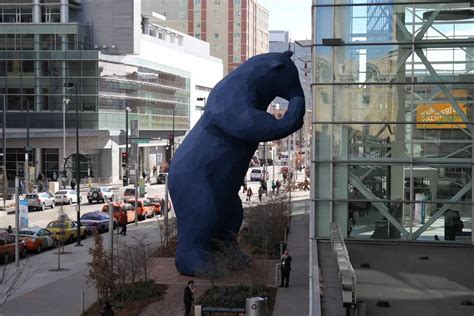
pixel 257 175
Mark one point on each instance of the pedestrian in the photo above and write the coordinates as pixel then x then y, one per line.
pixel 285 268
pixel 278 185
pixel 162 206
pixel 244 184
pixel 107 310
pixel 273 187
pixel 436 237
pixel 263 183
pixel 73 184
pixel 249 194
pixel 123 222
pixel 154 170
pixel 260 193
pixel 188 297
pixel 9 229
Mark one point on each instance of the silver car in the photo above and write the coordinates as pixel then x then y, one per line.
pixel 40 201
pixel 65 197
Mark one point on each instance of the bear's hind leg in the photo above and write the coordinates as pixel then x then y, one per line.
pixel 197 227
pixel 231 220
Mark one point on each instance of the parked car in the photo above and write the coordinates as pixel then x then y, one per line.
pixel 156 201
pixel 66 197
pixel 7 247
pixel 100 194
pixel 145 208
pixel 39 201
pixel 65 230
pixel 96 220
pixel 37 239
pixel 118 208
pixel 258 175
pixel 161 178
pixel 129 193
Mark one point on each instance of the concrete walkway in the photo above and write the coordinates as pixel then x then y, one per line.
pixel 294 300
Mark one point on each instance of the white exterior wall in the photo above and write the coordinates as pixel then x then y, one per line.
pixel 192 56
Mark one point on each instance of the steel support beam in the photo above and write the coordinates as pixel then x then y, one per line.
pixel 441 211
pixel 378 205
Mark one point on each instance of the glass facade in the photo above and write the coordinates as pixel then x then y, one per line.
pixel 392 118
pixel 159 99
pixel 44 46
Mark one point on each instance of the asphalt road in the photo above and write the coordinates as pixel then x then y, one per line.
pixel 42 218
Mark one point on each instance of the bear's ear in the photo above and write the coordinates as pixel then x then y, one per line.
pixel 288 54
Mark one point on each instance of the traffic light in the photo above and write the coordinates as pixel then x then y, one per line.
pixel 124 159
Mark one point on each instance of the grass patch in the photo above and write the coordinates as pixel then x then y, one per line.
pixel 133 299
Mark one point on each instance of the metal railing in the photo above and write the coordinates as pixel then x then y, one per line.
pixel 345 270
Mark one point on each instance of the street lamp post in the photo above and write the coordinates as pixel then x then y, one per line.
pixel 70 85
pixel 127 109
pixel 27 154
pixel 65 102
pixel 4 141
pixel 172 144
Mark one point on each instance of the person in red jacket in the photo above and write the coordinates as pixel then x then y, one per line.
pixel 123 222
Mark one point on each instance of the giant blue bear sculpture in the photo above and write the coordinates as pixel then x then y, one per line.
pixel 208 168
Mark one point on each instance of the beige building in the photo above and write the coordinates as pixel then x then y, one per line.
pixel 235 29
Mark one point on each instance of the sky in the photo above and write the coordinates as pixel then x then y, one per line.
pixel 290 15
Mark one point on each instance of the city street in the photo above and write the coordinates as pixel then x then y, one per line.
pixel 42 218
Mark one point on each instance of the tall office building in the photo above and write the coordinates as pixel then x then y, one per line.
pixel 101 58
pixel 235 29
pixel 393 119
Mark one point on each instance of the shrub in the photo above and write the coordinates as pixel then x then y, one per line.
pixel 265 227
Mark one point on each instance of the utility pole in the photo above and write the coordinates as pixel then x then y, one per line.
pixel 27 154
pixel 4 136
pixel 17 223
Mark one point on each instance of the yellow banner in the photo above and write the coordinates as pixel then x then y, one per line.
pixel 443 114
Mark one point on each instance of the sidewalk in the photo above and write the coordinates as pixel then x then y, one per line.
pixel 294 300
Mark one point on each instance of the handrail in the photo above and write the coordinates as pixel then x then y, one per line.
pixel 345 270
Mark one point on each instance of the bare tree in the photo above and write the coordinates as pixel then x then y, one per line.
pixel 101 272
pixel 12 279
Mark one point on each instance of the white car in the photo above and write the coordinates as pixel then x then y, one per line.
pixel 65 197
pixel 258 175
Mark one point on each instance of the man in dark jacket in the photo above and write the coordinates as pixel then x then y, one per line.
pixel 188 297
pixel 285 269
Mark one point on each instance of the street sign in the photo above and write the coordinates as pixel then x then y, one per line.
pixel 140 140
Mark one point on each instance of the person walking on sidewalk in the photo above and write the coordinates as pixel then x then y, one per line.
pixel 260 193
pixel 123 222
pixel 249 194
pixel 285 269
pixel 278 185
pixel 188 298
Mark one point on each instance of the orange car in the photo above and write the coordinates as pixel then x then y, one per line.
pixel 119 207
pixel 145 208
pixel 156 201
pixel 7 247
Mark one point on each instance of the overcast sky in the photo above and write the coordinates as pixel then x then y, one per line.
pixel 290 15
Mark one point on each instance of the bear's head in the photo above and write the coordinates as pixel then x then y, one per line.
pixel 271 75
